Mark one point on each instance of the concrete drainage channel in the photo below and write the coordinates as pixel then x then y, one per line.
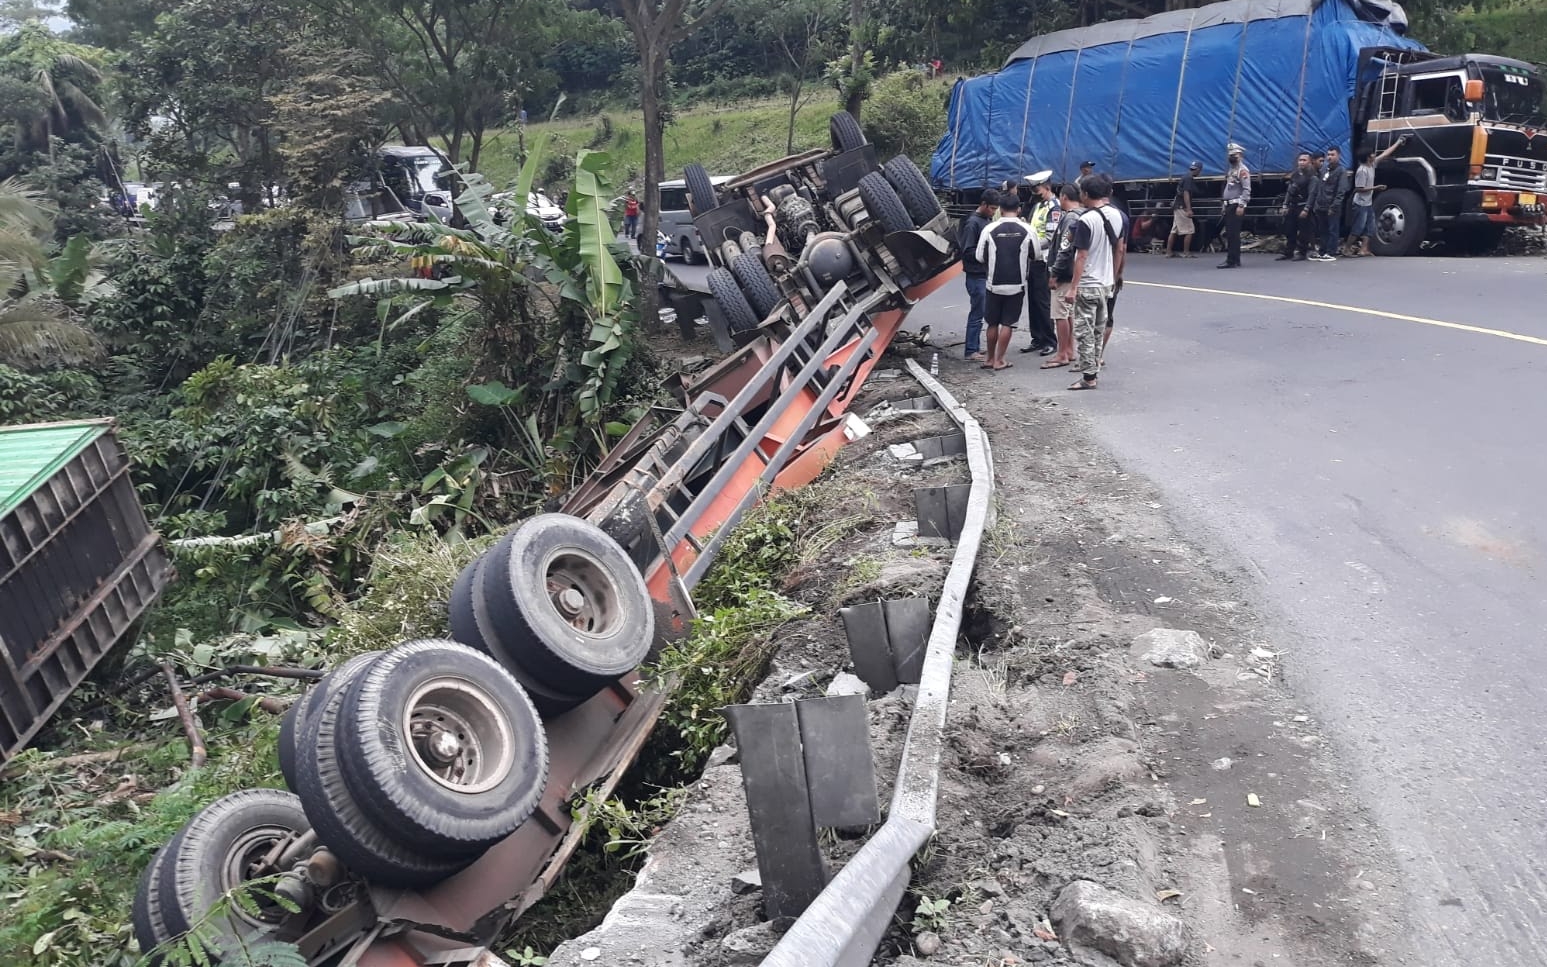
pixel 697 893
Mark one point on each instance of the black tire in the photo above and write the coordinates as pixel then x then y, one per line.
pixel 497 754
pixel 208 858
pixel 292 727
pixel 614 622
pixel 882 203
pixel 913 188
pixel 287 739
pixel 463 619
pixel 689 253
pixel 700 191
pixel 341 826
pixel 738 313
pixel 845 132
pixel 1401 222
pixel 756 284
pixel 549 701
pixel 150 929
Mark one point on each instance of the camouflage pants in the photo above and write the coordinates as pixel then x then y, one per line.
pixel 1090 322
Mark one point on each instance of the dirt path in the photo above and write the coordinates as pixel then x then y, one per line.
pixel 1079 759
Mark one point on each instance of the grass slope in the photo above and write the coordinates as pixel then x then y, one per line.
pixel 723 139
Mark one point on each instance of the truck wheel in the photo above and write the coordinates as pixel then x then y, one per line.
pixel 738 313
pixel 1401 222
pixel 913 188
pixel 758 286
pixel 459 608
pixel 883 204
pixel 700 192
pixel 215 854
pixel 150 929
pixel 293 726
pixel 476 615
pixel 845 132
pixel 335 814
pixel 689 253
pixel 445 747
pixel 571 600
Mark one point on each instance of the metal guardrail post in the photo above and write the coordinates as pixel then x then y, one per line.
pixel 847 920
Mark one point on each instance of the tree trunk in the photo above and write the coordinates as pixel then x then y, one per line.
pixel 652 68
pixel 856 97
pixel 789 138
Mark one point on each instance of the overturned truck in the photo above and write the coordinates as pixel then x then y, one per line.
pixel 431 785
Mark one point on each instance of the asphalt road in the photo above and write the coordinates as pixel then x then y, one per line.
pixel 1383 478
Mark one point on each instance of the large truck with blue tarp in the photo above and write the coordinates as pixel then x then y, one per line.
pixel 1144 99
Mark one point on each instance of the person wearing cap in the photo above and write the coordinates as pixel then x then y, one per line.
pixel 974 272
pixel 1005 250
pixel 1042 220
pixel 1181 213
pixel 1237 195
pixel 1087 168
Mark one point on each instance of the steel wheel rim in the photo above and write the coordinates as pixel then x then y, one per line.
pixel 458 735
pixel 583 594
pixel 242 865
pixel 1391 224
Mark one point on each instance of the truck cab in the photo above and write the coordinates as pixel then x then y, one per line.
pixel 1475 160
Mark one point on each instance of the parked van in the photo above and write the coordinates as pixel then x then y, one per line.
pixel 682 239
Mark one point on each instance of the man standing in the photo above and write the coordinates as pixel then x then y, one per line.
pixel 1337 181
pixel 1297 222
pixel 1004 248
pixel 1181 213
pixel 974 272
pixel 1087 168
pixel 1237 195
pixel 1364 197
pixel 631 216
pixel 1061 274
pixel 1318 203
pixel 1099 247
pixel 1042 221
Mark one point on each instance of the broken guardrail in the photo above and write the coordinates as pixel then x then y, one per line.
pixel 844 925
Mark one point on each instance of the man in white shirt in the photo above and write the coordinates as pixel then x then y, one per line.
pixel 1098 264
pixel 1005 250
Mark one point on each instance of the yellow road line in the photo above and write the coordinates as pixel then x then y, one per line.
pixel 1483 330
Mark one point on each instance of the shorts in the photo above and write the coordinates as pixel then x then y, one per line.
pixel 1364 221
pixel 1063 310
pixel 1181 222
pixel 1002 310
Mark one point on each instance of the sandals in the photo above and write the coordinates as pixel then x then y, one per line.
pixel 1084 384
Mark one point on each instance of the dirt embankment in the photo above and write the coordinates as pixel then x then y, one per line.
pixel 1202 793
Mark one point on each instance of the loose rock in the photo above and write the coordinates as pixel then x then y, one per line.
pixel 1098 923
pixel 749 945
pixel 847 683
pixel 927 943
pixel 1171 648
pixel 747 881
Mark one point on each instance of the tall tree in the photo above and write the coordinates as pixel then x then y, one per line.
pixel 37 323
pixel 65 78
pixel 802 32
pixel 657 25
pixel 454 64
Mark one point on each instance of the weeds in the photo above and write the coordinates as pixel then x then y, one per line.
pixel 931 915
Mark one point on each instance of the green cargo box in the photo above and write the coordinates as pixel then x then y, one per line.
pixel 78 565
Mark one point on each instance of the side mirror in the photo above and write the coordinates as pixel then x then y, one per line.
pixel 1474 91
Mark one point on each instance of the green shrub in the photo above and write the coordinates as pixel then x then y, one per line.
pixel 906 115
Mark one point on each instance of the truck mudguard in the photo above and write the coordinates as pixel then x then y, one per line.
pixel 1145 98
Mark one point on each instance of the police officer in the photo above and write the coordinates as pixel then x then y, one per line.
pixel 1042 220
pixel 1238 194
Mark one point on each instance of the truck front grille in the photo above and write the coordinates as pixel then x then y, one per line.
pixel 1517 174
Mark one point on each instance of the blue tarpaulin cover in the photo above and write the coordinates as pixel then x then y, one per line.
pixel 1143 99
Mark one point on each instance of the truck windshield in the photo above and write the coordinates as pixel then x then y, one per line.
pixel 1513 95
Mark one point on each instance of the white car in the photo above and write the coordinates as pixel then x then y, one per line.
pixel 539 204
